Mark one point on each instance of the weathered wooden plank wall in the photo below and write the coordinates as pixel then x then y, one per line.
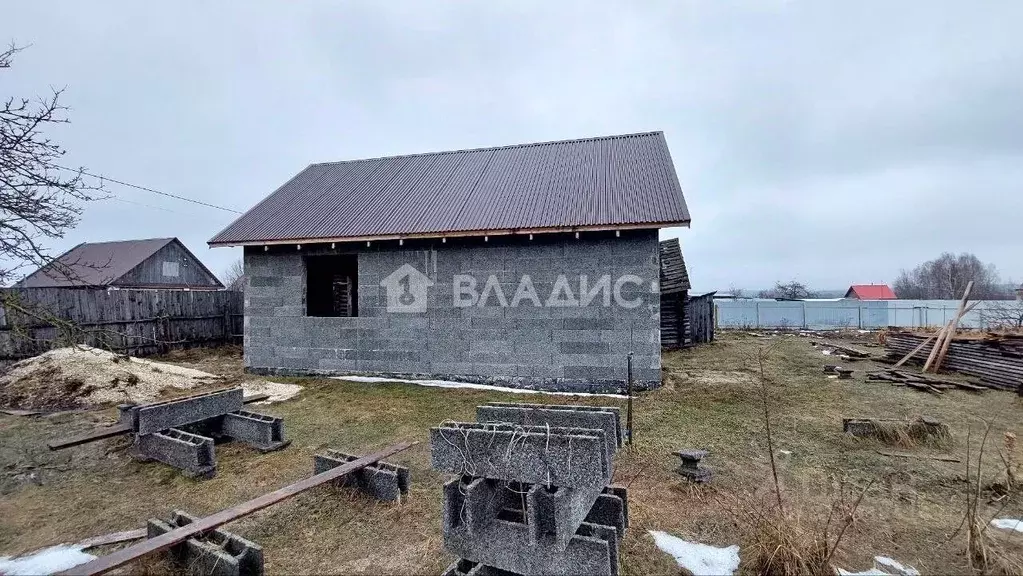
pixel 137 322
pixel 700 313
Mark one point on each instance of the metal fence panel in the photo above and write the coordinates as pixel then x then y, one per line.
pixel 858 314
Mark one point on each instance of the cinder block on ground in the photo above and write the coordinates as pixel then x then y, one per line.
pixel 506 543
pixel 191 453
pixel 463 567
pixel 265 433
pixel 217 553
pixel 149 418
pixel 604 417
pixel 383 481
pixel 563 457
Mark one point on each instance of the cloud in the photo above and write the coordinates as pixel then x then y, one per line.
pixel 835 143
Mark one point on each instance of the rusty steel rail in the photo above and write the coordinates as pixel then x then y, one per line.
pixel 119 429
pixel 162 542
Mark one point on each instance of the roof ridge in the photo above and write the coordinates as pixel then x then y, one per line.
pixel 490 148
pixel 164 238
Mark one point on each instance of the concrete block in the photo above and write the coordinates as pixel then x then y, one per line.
pixel 216 553
pixel 553 514
pixel 589 324
pixel 149 418
pixel 383 481
pixel 265 433
pixel 607 418
pixel 191 453
pixel 505 543
pixel 561 336
pixel 576 458
pixel 584 347
pixel 463 567
pixel 611 508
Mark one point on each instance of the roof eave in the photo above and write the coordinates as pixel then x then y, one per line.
pixel 456 234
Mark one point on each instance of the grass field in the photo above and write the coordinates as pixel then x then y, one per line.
pixel 711 398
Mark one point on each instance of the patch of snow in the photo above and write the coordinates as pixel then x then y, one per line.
pixel 883 566
pixel 45 561
pixel 826 352
pixel 277 391
pixel 1008 524
pixel 700 559
pixel 870 572
pixel 886 563
pixel 470 385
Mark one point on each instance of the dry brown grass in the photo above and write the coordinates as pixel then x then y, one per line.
pixel 913 433
pixel 709 400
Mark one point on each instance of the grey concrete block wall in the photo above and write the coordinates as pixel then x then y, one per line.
pixel 500 337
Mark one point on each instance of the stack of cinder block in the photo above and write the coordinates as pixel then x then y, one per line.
pixel 181 432
pixel 532 494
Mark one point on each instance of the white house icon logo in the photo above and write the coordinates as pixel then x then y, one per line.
pixel 406 290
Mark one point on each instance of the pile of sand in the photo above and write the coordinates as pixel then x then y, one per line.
pixel 80 376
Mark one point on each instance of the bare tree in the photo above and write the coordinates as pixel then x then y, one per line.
pixel 736 292
pixel 38 200
pixel 234 276
pixel 945 278
pixel 1005 315
pixel 791 290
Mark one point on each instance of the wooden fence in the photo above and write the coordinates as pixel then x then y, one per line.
pixel 136 322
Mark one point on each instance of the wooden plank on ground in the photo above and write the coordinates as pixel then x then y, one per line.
pixel 114 538
pixel 921 456
pixel 89 437
pixel 168 539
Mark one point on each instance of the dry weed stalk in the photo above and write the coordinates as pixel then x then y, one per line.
pixel 779 540
pixel 986 555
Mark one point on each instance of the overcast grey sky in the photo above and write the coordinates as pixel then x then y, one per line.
pixel 832 142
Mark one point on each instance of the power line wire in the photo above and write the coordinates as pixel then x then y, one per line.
pixel 125 200
pixel 136 186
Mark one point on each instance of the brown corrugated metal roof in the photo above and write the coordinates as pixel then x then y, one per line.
pixel 93 264
pixel 96 264
pixel 674 276
pixel 612 181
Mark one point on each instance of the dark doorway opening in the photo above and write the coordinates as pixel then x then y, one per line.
pixel 332 285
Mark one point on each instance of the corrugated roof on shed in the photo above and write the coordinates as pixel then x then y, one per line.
pixel 674 276
pixel 97 264
pixel 626 180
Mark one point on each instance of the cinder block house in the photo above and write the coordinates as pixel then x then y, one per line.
pixel 534 265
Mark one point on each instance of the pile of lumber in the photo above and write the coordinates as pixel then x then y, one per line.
pixel 921 382
pixel 997 360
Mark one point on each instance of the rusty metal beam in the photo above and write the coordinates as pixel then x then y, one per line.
pixel 121 557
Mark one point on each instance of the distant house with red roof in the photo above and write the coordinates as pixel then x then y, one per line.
pixel 870 292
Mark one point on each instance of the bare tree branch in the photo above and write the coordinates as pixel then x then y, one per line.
pixel 39 202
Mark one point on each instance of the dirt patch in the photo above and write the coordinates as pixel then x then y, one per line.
pixel 82 376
